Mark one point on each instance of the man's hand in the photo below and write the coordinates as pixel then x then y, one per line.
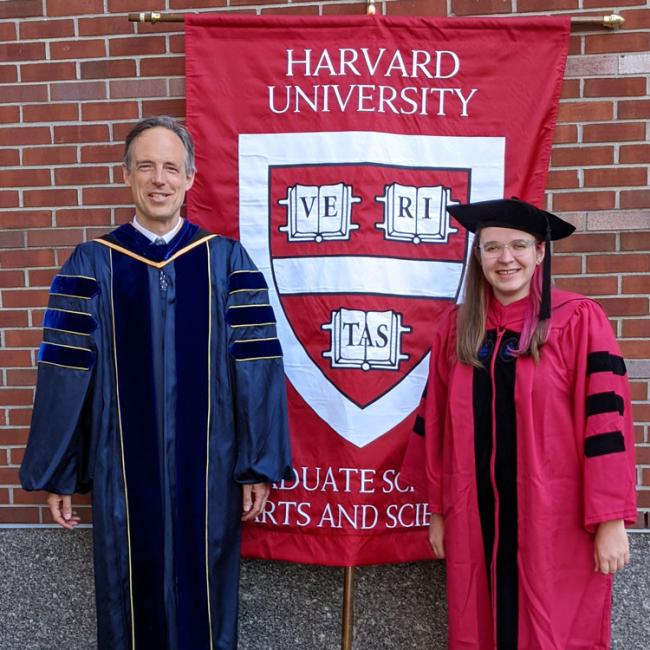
pixel 437 536
pixel 60 506
pixel 611 547
pixel 254 498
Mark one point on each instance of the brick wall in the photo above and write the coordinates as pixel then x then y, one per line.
pixel 74 76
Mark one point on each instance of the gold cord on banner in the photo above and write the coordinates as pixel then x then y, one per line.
pixel 613 21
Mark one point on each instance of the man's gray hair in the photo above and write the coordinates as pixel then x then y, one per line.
pixel 167 123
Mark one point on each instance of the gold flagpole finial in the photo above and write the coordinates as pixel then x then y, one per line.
pixel 613 21
pixel 371 10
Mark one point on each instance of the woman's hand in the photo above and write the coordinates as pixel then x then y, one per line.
pixel 437 536
pixel 611 547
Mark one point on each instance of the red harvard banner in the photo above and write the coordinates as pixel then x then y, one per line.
pixel 331 148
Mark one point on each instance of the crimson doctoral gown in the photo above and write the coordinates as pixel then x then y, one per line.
pixel 524 461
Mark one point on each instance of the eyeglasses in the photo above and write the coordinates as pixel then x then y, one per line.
pixel 494 249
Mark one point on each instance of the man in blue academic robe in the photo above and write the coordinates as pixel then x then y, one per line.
pixel 161 389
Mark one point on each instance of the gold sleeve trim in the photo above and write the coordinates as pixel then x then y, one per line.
pixel 60 365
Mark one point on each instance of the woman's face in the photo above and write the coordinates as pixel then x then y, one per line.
pixel 508 258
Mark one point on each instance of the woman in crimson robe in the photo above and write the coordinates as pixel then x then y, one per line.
pixel 526 431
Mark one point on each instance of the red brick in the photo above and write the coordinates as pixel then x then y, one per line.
pixel 26 258
pixel 50 156
pixel 24 297
pixel 16 396
pixel 41 277
pixel 635 199
pixel 48 71
pixel 39 29
pixel 8 32
pixel 312 10
pixel 105 111
pixel 615 176
pixel 82 49
pixel 637 328
pixel 570 89
pixel 119 6
pixel 26 218
pixel 11 279
pixel 479 7
pixel 339 9
pixel 54 237
pixel 634 109
pixel 107 69
pixel 619 42
pixel 54 198
pixel 643 498
pixel 581 156
pixel 81 133
pixel 78 90
pixel 637 18
pixel 635 348
pixel 19 358
pixel 634 153
pixel 613 132
pixel 606 4
pixel 585 111
pixel 619 263
pixel 26 135
pixel 614 87
pixel 625 307
pixel 177 87
pixel 137 46
pixel 163 66
pixel 635 241
pixel 13 52
pixel 63 8
pixel 21 339
pixel 173 107
pixel 102 153
pixel 51 112
pixel 25 177
pixel 23 94
pixel 20 8
pixel 15 455
pixel 125 88
pixel 563 179
pixel 19 515
pixel 13 318
pixel 567 264
pixel 195 4
pixel 542 5
pixel 9 157
pixel 81 175
pixel 8 74
pixel 575 201
pixel 9 114
pixel 177 43
pixel 8 199
pixel 565 133
pixel 11 238
pixel 19 417
pixel 107 195
pixel 20 377
pixel 83 217
pixel 24 498
pixel 104 25
pixel 639 389
pixel 589 286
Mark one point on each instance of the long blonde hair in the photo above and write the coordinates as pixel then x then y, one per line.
pixel 472 315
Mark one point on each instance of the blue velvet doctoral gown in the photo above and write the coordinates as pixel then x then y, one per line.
pixel 161 389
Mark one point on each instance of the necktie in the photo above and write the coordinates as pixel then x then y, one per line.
pixel 159 241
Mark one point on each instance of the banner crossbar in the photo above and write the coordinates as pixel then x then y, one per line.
pixel 612 21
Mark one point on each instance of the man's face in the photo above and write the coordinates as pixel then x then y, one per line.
pixel 158 177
